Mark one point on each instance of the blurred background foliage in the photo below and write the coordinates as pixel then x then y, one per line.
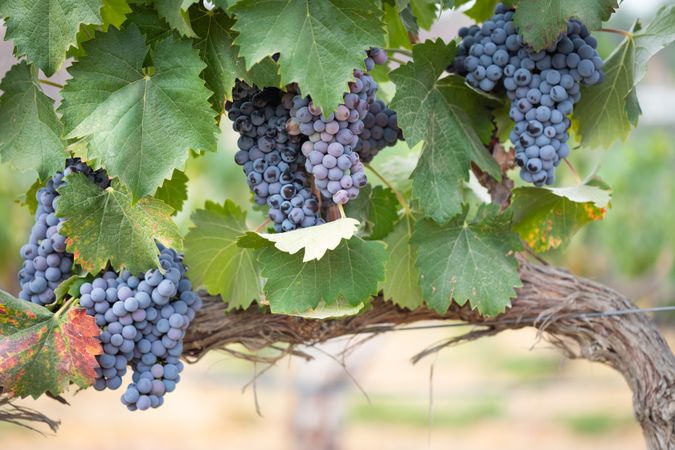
pixel 492 392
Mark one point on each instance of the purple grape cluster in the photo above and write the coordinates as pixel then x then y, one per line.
pixel 271 157
pixel 143 319
pixel 542 86
pixel 333 140
pixel 45 260
pixel 543 89
pixel 329 153
pixel 380 130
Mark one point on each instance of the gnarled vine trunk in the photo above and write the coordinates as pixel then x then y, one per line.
pixel 565 308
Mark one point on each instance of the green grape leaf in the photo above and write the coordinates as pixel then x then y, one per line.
pixel 659 34
pixel 175 12
pixel 29 199
pixel 401 283
pixel 44 352
pixel 141 124
pixel 471 261
pixel 541 21
pixel 377 210
pixel 30 131
pixel 114 12
pixel 607 111
pixel 216 261
pixel 174 191
pixel 351 273
pixel 548 218
pixel 223 4
pixel 425 12
pixel 450 118
pixel 153 27
pixel 397 34
pixel 482 10
pixel 322 42
pixel 315 241
pixel 104 225
pixel 70 287
pixel 43 30
pixel 224 65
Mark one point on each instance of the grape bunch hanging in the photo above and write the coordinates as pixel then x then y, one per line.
pixel 542 86
pixel 142 317
pixel 298 159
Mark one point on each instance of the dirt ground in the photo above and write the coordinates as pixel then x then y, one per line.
pixel 504 392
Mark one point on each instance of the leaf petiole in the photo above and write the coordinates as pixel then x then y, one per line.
pixel 625 33
pixel 399 196
pixel 402 51
pixel 51 83
pixel 66 306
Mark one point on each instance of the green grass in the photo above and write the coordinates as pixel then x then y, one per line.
pixel 529 366
pixel 410 413
pixel 595 423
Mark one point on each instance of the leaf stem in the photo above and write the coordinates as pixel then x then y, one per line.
pixel 399 61
pixel 341 208
pixel 65 307
pixel 402 51
pixel 51 83
pixel 625 33
pixel 399 196
pixel 262 225
pixel 574 172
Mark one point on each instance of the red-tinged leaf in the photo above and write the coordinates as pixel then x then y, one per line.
pixel 45 352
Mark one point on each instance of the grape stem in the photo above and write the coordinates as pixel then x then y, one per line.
pixel 625 33
pixel 51 83
pixel 262 225
pixel 402 51
pixel 399 196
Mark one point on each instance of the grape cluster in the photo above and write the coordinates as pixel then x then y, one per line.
pixel 329 153
pixel 271 156
pixel 143 320
pixel 380 130
pixel 332 148
pixel 486 50
pixel 46 262
pixel 542 86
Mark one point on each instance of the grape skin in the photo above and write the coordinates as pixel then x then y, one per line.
pixel 380 131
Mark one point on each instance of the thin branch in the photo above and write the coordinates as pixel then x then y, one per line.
pixel 51 83
pixel 399 196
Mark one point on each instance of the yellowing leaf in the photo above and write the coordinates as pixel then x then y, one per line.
pixel 317 240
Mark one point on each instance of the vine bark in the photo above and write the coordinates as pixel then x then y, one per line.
pixel 563 307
